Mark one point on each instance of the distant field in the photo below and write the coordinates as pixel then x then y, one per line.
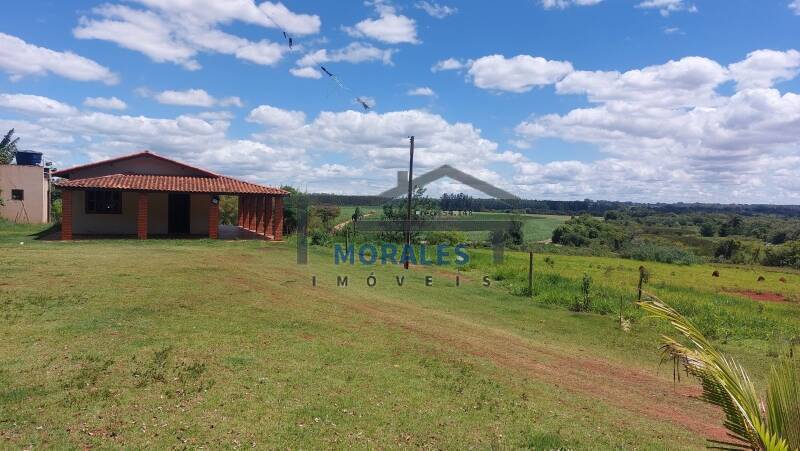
pixel 200 343
pixel 535 228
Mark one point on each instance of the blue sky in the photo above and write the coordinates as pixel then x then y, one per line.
pixel 647 100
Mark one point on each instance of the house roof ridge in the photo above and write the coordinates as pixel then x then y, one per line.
pixel 130 156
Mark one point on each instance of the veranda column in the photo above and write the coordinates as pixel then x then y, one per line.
pixel 66 215
pixel 277 227
pixel 252 224
pixel 141 217
pixel 246 217
pixel 239 211
pixel 268 233
pixel 259 223
pixel 213 218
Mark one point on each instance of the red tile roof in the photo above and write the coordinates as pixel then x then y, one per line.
pixel 136 182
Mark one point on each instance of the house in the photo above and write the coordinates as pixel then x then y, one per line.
pixel 145 194
pixel 25 193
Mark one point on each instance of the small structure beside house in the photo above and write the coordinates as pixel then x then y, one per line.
pixel 25 193
pixel 145 194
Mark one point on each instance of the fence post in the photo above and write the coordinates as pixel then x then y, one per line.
pixel 530 274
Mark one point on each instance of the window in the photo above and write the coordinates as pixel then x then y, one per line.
pixel 104 202
pixel 17 194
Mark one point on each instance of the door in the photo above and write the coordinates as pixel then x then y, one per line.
pixel 179 214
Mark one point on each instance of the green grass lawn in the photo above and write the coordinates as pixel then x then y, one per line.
pixel 169 343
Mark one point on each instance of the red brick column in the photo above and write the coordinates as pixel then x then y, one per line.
pixel 239 211
pixel 141 217
pixel 213 220
pixel 268 217
pixel 277 223
pixel 248 211
pixel 259 214
pixel 66 215
pixel 252 224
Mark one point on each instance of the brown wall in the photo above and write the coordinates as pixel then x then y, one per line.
pixel 125 223
pixel 139 165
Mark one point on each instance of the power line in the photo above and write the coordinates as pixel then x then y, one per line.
pixel 291 42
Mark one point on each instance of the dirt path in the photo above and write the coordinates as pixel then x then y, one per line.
pixel 640 391
pixel 629 389
pixel 342 225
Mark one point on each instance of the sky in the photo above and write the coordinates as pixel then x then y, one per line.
pixel 632 100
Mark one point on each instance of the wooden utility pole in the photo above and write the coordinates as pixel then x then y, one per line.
pixel 530 274
pixel 410 195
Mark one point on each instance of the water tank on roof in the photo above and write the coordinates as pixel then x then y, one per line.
pixel 28 158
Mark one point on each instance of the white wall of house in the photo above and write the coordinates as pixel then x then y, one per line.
pixel 33 208
pixel 125 222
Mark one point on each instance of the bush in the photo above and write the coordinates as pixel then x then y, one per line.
pixel 511 236
pixel 583 302
pixel 228 210
pixel 319 238
pixel 585 230
pixel 655 252
pixel 451 238
pixel 784 255
pixel 56 210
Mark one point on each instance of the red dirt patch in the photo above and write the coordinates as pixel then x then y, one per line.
pixel 762 296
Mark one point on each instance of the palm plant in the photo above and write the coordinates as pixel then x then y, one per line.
pixel 8 147
pixel 753 422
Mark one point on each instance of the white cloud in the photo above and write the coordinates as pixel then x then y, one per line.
pixel 283 18
pixel 666 7
pixel 105 103
pixel 688 81
pixel 670 136
pixel 177 32
pixel 450 64
pixel 436 10
pixel 423 91
pixel 354 53
pixel 389 27
pixel 273 117
pixel 795 6
pixel 375 143
pixel 763 68
pixel 561 4
pixel 20 59
pixel 381 140
pixel 518 74
pixel 305 72
pixel 191 97
pixel 35 105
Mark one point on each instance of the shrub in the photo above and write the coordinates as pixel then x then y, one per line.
pixel 583 302
pixel 319 238
pixel 650 251
pixel 784 255
pixel 56 210
pixel 450 238
pixel 585 230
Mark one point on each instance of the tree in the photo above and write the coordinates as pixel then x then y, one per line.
pixel 707 229
pixel 754 423
pixel 228 210
pixel 326 214
pixel 8 147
